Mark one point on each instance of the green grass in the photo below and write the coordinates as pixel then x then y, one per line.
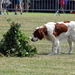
pixel 40 64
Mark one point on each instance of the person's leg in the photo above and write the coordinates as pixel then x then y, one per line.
pixel 27 6
pixel 0 9
pixel 16 9
pixel 63 8
pixel 20 8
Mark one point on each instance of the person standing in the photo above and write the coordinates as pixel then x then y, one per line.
pixel 1 1
pixel 62 4
pixel 26 4
pixel 17 4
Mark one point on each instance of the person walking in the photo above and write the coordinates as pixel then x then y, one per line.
pixel 26 4
pixel 62 3
pixel 17 4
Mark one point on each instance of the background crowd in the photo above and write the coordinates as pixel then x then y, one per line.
pixel 25 5
pixel 17 5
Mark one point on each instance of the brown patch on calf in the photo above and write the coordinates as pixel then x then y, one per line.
pixel 66 21
pixel 40 32
pixel 60 28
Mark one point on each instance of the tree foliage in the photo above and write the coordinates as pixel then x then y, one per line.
pixel 16 43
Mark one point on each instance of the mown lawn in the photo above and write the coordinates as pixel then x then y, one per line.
pixel 40 64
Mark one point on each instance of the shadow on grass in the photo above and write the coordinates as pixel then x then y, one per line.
pixel 42 54
pixel 55 54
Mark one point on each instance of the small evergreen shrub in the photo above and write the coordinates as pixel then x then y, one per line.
pixel 16 43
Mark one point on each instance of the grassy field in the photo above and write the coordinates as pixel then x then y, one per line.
pixel 40 64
